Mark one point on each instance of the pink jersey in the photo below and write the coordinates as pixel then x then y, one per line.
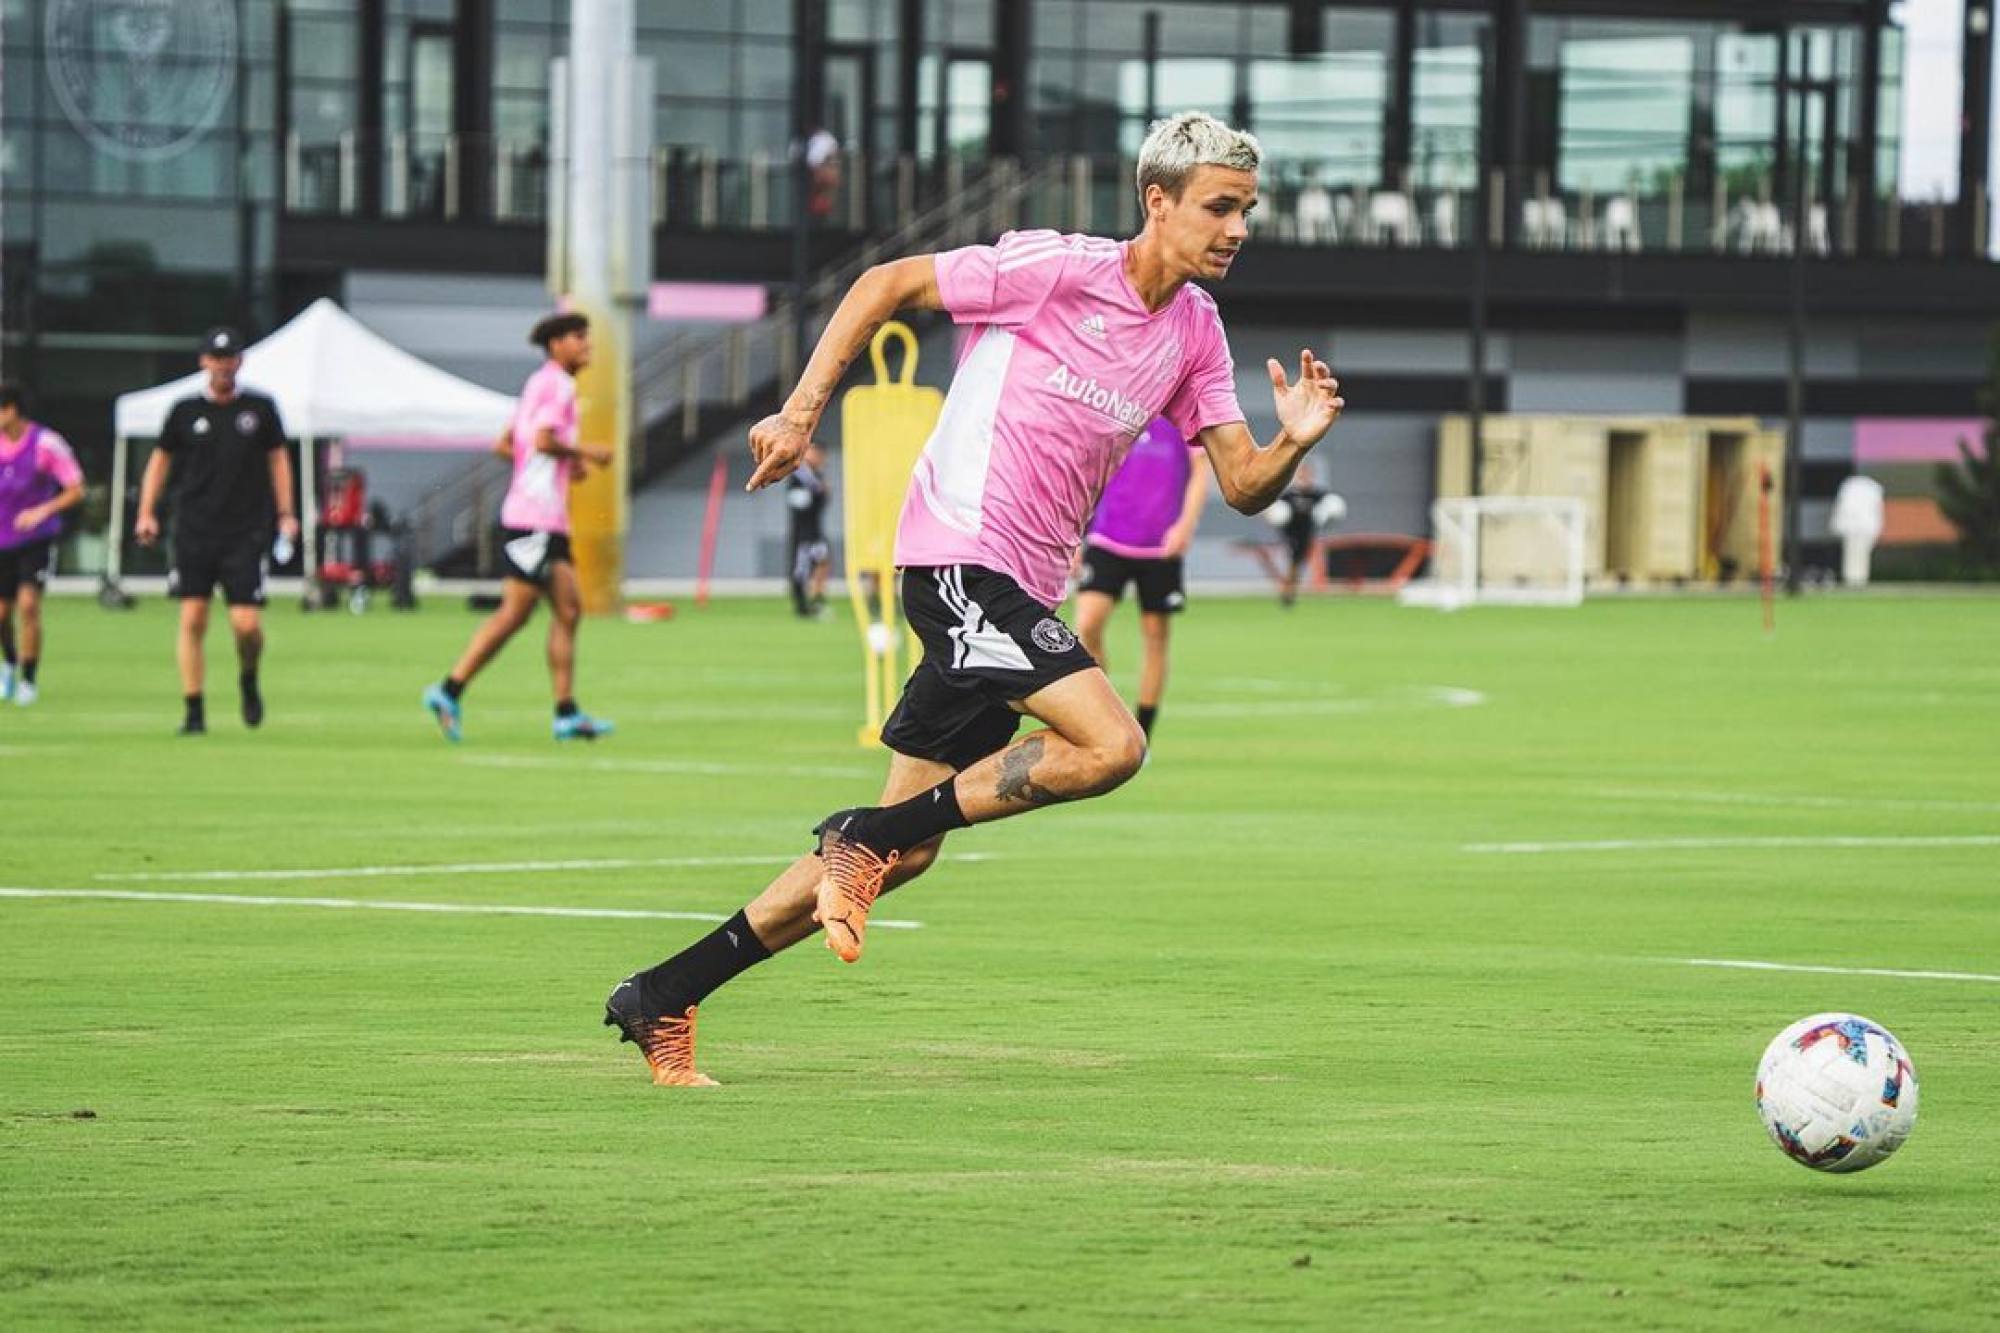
pixel 538 499
pixel 1064 367
pixel 33 470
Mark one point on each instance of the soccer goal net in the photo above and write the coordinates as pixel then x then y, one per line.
pixel 1509 550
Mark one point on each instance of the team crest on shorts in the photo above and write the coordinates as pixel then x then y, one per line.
pixel 1052 636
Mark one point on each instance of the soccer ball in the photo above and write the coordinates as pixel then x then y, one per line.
pixel 1837 1092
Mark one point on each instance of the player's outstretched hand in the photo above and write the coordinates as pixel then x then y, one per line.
pixel 777 443
pixel 1306 409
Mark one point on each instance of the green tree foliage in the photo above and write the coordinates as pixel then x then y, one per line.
pixel 1969 492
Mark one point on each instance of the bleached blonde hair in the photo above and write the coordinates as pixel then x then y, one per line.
pixel 1175 146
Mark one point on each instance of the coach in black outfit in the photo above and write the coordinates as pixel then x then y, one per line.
pixel 226 450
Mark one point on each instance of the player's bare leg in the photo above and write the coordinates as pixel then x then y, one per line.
pixel 565 614
pixel 247 624
pixel 517 604
pixel 8 659
pixel 1155 630
pixel 193 667
pixel 565 611
pixel 655 1009
pixel 22 672
pixel 1093 613
pixel 1091 744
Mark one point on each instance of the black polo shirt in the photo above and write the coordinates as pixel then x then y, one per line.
pixel 222 467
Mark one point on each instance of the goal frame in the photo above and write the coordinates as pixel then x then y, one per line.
pixel 1459 526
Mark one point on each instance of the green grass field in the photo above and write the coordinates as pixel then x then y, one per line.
pixel 1262 1040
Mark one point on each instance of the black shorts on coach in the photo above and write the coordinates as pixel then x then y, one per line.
pixel 201 564
pixel 530 556
pixel 986 644
pixel 1159 581
pixel 31 564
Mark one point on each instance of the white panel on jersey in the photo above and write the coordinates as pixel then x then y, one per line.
pixel 538 478
pixel 951 475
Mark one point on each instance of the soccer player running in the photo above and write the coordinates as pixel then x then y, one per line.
pixel 1144 521
pixel 534 530
pixel 1076 343
pixel 806 496
pixel 225 449
pixel 39 479
pixel 1302 511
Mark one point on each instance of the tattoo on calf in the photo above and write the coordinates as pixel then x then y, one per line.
pixel 1017 779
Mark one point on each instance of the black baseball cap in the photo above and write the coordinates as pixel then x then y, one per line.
pixel 222 341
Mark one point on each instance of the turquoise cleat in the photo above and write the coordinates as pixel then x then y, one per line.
pixel 450 717
pixel 582 727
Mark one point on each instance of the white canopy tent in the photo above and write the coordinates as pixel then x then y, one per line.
pixel 332 378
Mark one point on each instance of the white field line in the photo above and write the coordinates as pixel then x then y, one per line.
pixel 681 767
pixel 1728 844
pixel 1751 965
pixel 470 868
pixel 1306 705
pixel 1803 802
pixel 389 905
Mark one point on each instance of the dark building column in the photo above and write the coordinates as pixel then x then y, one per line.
pixel 1510 19
pixel 808 66
pixel 472 114
pixel 1397 115
pixel 1976 120
pixel 372 17
pixel 1011 41
pixel 1867 141
pixel 910 25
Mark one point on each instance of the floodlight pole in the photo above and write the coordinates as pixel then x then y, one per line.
pixel 1482 241
pixel 1795 386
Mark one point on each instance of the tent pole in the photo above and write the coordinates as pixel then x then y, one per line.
pixel 308 515
pixel 114 543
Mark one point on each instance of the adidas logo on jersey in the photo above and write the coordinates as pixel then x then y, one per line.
pixel 1092 394
pixel 1092 326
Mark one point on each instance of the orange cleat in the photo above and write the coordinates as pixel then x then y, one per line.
pixel 666 1040
pixel 848 887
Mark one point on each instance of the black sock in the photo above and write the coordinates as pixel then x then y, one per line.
pixel 7 642
pixel 453 688
pixel 926 815
pixel 28 665
pixel 690 975
pixel 194 708
pixel 566 708
pixel 247 682
pixel 1147 712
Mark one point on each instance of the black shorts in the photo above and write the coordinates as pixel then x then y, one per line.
pixel 530 556
pixel 236 563
pixel 33 564
pixel 1159 581
pixel 986 644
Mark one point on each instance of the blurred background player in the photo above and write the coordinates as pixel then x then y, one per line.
pixel 1144 521
pixel 225 449
pixel 1300 515
pixel 39 479
pixel 534 533
pixel 805 495
pixel 1076 343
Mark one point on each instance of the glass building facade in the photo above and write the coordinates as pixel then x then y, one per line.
pixel 153 152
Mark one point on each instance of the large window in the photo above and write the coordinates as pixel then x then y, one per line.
pixel 1444 107
pixel 1625 93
